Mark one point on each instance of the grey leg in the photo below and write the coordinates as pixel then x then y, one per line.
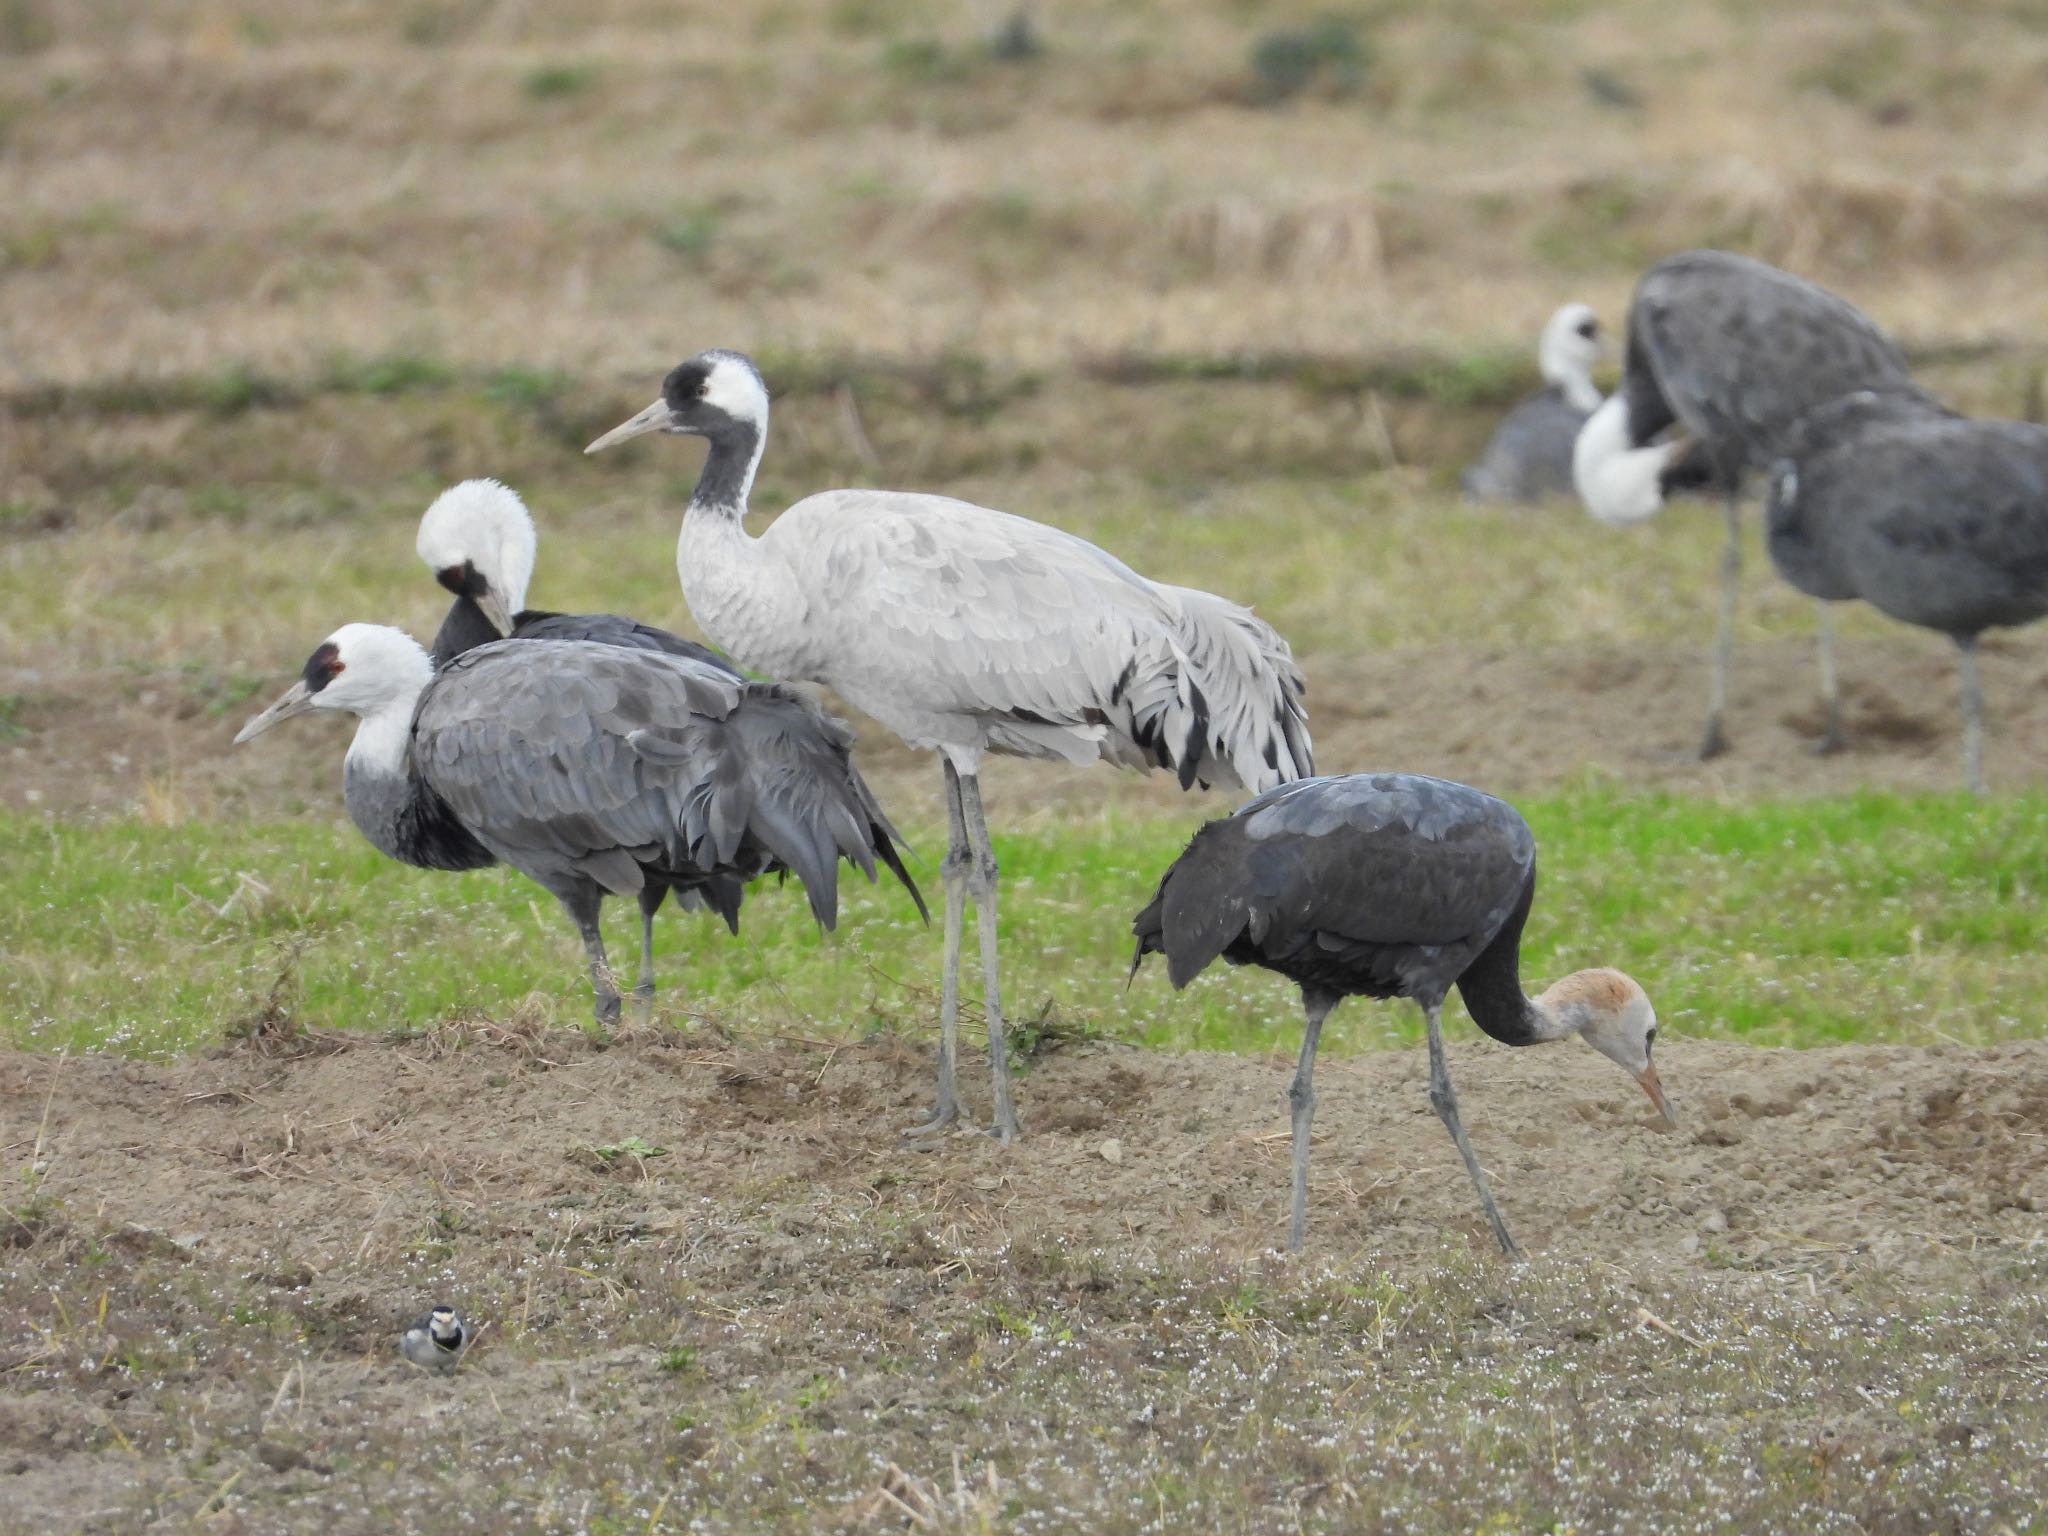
pixel 582 903
pixel 1715 740
pixel 1445 1103
pixel 1831 739
pixel 981 884
pixel 954 872
pixel 1973 714
pixel 1301 1099
pixel 651 897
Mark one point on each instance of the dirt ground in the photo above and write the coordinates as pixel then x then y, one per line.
pixel 1522 723
pixel 207 1264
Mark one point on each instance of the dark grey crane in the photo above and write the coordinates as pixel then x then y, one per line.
pixel 1933 519
pixel 1733 352
pixel 1529 456
pixel 591 769
pixel 479 541
pixel 1386 885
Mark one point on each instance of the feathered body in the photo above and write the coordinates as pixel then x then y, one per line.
pixel 968 631
pixel 594 770
pixel 1386 885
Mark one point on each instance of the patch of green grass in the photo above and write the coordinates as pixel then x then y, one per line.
pixel 552 82
pixel 1874 917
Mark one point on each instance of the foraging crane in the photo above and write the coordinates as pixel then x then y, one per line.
pixel 969 631
pixel 1529 455
pixel 592 770
pixel 1386 885
pixel 1734 352
pixel 1933 519
pixel 479 541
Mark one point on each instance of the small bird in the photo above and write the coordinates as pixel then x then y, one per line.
pixel 592 770
pixel 969 631
pixel 1529 455
pixel 436 1340
pixel 479 541
pixel 1387 885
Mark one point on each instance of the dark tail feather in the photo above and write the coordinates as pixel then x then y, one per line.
pixel 1146 927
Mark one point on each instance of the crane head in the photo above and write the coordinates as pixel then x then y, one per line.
pixel 478 540
pixel 360 668
pixel 1612 1014
pixel 713 394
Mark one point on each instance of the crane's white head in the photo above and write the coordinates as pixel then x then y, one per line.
pixel 363 669
pixel 1567 351
pixel 478 540
pixel 1612 1014
pixel 716 394
pixel 1618 482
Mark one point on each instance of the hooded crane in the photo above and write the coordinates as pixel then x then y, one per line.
pixel 969 631
pixel 1932 518
pixel 1529 456
pixel 1386 885
pixel 1734 352
pixel 479 541
pixel 592 770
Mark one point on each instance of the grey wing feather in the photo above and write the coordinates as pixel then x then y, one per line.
pixel 613 629
pixel 1529 456
pixel 1365 860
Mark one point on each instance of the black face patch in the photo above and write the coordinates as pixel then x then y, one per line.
pixel 1589 328
pixel 464 580
pixel 684 387
pixel 323 666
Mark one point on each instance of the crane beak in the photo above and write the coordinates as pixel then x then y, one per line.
pixel 494 609
pixel 295 700
pixel 1648 1078
pixel 653 419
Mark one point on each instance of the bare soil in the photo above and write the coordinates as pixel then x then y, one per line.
pixel 774 1314
pixel 1511 721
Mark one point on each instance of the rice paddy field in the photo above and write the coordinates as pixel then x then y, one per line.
pixel 1234 290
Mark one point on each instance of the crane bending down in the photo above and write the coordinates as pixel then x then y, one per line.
pixel 969 631
pixel 479 541
pixel 1386 885
pixel 1734 352
pixel 591 770
pixel 1933 519
pixel 1529 455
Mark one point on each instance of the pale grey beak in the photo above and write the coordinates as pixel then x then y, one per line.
pixel 494 608
pixel 1655 1089
pixel 653 419
pixel 295 700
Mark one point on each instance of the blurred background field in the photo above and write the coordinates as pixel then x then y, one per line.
pixel 1232 288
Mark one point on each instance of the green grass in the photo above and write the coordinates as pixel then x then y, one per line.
pixel 1874 917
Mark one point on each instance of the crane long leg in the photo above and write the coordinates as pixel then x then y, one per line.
pixel 982 884
pixel 652 894
pixel 1301 1099
pixel 1445 1103
pixel 1973 714
pixel 1831 738
pixel 581 902
pixel 1715 740
pixel 954 872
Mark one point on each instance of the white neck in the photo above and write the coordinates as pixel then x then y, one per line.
pixel 383 741
pixel 1619 484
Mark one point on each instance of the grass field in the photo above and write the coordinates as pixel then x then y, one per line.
pixel 1233 289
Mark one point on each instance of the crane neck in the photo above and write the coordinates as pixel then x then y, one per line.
pixel 727 478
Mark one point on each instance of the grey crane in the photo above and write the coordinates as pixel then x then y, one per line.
pixel 969 631
pixel 1386 885
pixel 1529 456
pixel 479 541
pixel 591 769
pixel 1932 518
pixel 1733 352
